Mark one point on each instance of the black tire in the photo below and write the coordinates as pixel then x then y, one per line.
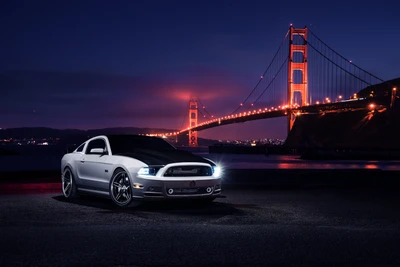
pixel 121 189
pixel 68 184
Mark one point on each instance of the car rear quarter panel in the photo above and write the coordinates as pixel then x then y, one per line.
pixel 69 160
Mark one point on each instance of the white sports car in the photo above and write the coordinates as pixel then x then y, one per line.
pixel 131 168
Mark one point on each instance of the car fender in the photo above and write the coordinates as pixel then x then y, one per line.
pixel 130 165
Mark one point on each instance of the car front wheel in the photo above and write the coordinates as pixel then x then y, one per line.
pixel 121 189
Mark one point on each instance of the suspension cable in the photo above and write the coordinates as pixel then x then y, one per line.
pixel 283 64
pixel 343 56
pixel 338 65
pixel 262 77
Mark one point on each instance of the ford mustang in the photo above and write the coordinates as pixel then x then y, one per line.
pixel 132 168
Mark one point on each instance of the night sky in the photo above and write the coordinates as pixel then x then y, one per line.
pixel 97 64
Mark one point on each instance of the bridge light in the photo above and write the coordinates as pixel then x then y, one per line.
pixel 261 77
pixel 241 104
pixel 317 102
pixel 252 104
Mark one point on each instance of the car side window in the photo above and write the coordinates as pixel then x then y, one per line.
pixel 80 148
pixel 97 143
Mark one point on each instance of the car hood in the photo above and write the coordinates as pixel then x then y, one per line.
pixel 163 157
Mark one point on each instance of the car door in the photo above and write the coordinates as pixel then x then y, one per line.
pixel 92 168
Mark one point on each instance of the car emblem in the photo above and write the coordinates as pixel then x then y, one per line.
pixel 192 184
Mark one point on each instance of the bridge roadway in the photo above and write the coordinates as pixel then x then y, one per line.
pixel 345 105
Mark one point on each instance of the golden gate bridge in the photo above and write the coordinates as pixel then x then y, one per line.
pixel 304 76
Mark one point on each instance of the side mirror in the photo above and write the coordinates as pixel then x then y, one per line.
pixel 97 151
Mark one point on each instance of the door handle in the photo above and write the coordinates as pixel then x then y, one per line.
pixel 83 160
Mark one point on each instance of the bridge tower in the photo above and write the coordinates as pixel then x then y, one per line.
pixel 193 112
pixel 296 64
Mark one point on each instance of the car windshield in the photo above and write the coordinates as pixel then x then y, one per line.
pixel 128 143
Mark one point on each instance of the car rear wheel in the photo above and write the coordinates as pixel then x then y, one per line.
pixel 68 184
pixel 121 189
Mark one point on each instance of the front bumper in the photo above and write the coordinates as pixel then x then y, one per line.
pixel 147 188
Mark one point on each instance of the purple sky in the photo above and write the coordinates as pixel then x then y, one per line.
pixel 97 64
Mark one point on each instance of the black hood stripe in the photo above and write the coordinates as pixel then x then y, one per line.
pixel 164 157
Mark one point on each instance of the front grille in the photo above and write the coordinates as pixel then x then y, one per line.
pixel 185 171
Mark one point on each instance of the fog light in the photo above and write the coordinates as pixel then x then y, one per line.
pixel 170 191
pixel 137 186
pixel 209 189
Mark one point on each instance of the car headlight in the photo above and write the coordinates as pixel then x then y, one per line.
pixel 147 171
pixel 144 171
pixel 217 171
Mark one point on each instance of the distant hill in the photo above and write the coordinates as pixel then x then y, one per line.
pixel 76 136
pixel 43 132
pixel 360 129
pixel 381 89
